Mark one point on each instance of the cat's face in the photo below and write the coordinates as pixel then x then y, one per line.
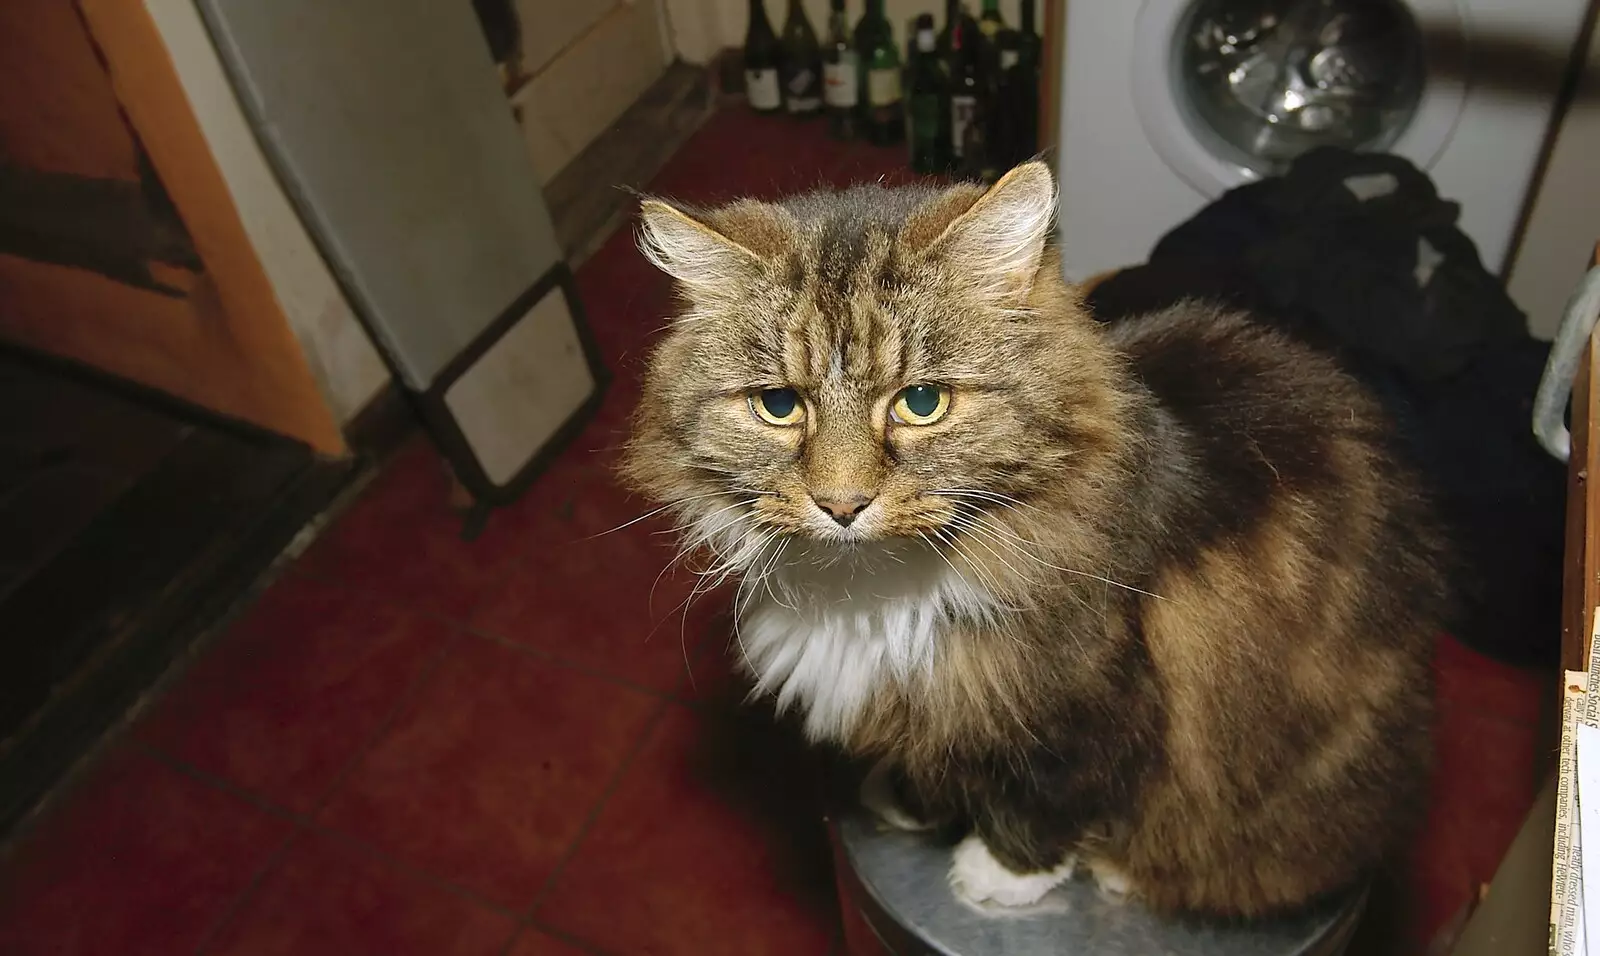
pixel 859 367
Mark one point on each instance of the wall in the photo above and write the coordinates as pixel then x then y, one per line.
pixel 1564 224
pixel 702 27
pixel 342 358
pixel 587 63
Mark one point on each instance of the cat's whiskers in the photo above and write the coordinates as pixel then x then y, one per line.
pixel 1016 542
pixel 978 533
pixel 945 558
pixel 679 502
pixel 713 578
pixel 741 599
pixel 985 576
pixel 1005 501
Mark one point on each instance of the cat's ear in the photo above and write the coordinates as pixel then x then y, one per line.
pixel 999 240
pixel 692 251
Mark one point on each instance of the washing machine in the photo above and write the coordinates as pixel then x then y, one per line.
pixel 1166 104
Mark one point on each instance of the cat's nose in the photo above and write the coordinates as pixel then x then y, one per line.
pixel 844 507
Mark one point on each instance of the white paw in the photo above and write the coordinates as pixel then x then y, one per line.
pixel 878 796
pixel 980 879
pixel 1114 884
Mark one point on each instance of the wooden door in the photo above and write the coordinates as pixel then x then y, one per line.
pixel 120 246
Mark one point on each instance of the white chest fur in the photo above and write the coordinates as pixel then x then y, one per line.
pixel 834 628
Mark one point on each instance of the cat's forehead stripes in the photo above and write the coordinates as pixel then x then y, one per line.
pixel 841 326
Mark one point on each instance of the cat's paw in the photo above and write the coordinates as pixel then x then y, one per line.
pixel 877 795
pixel 978 878
pixel 1113 883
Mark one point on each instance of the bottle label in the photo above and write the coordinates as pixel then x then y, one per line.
pixel 883 87
pixel 839 82
pixel 761 87
pixel 962 109
pixel 801 85
pixel 1009 59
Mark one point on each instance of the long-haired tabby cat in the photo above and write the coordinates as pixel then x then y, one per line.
pixel 1153 599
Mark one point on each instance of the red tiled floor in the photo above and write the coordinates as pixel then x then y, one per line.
pixel 607 605
pixel 488 776
pixel 1483 785
pixel 402 541
pixel 323 899
pixel 1483 685
pixel 714 841
pixel 140 860
pixel 286 699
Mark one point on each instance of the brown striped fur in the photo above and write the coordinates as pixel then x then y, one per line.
pixel 1213 588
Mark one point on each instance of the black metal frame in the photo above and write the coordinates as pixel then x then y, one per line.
pixel 446 431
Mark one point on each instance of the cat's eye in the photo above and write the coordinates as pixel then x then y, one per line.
pixel 920 404
pixel 778 406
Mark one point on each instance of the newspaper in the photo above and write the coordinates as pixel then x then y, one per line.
pixel 1579 779
pixel 1567 936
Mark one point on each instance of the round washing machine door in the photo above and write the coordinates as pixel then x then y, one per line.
pixel 1228 91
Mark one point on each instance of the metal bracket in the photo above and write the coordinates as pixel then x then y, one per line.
pixel 1555 386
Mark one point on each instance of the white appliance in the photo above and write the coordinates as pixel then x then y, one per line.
pixel 1166 104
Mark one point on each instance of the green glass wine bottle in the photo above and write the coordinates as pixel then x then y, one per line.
pixel 990 21
pixel 927 107
pixel 841 80
pixel 761 86
pixel 883 109
pixel 800 58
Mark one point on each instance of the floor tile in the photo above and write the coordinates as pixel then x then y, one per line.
pixel 325 899
pixel 488 776
pixel 1487 686
pixel 608 602
pixel 1483 784
pixel 402 540
pixel 140 859
pixel 714 840
pixel 719 683
pixel 298 685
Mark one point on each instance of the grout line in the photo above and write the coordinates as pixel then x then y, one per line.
pixel 402 703
pixel 219 783
pixel 652 726
pixel 582 945
pixel 409 869
pixel 237 904
pixel 677 695
pixel 305 824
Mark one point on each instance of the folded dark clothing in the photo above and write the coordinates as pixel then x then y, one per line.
pixel 1357 254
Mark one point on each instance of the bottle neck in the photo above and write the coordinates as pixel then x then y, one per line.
pixel 1027 16
pixel 758 12
pixel 875 9
pixel 991 6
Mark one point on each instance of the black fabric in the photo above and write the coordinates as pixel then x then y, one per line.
pixel 1451 356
